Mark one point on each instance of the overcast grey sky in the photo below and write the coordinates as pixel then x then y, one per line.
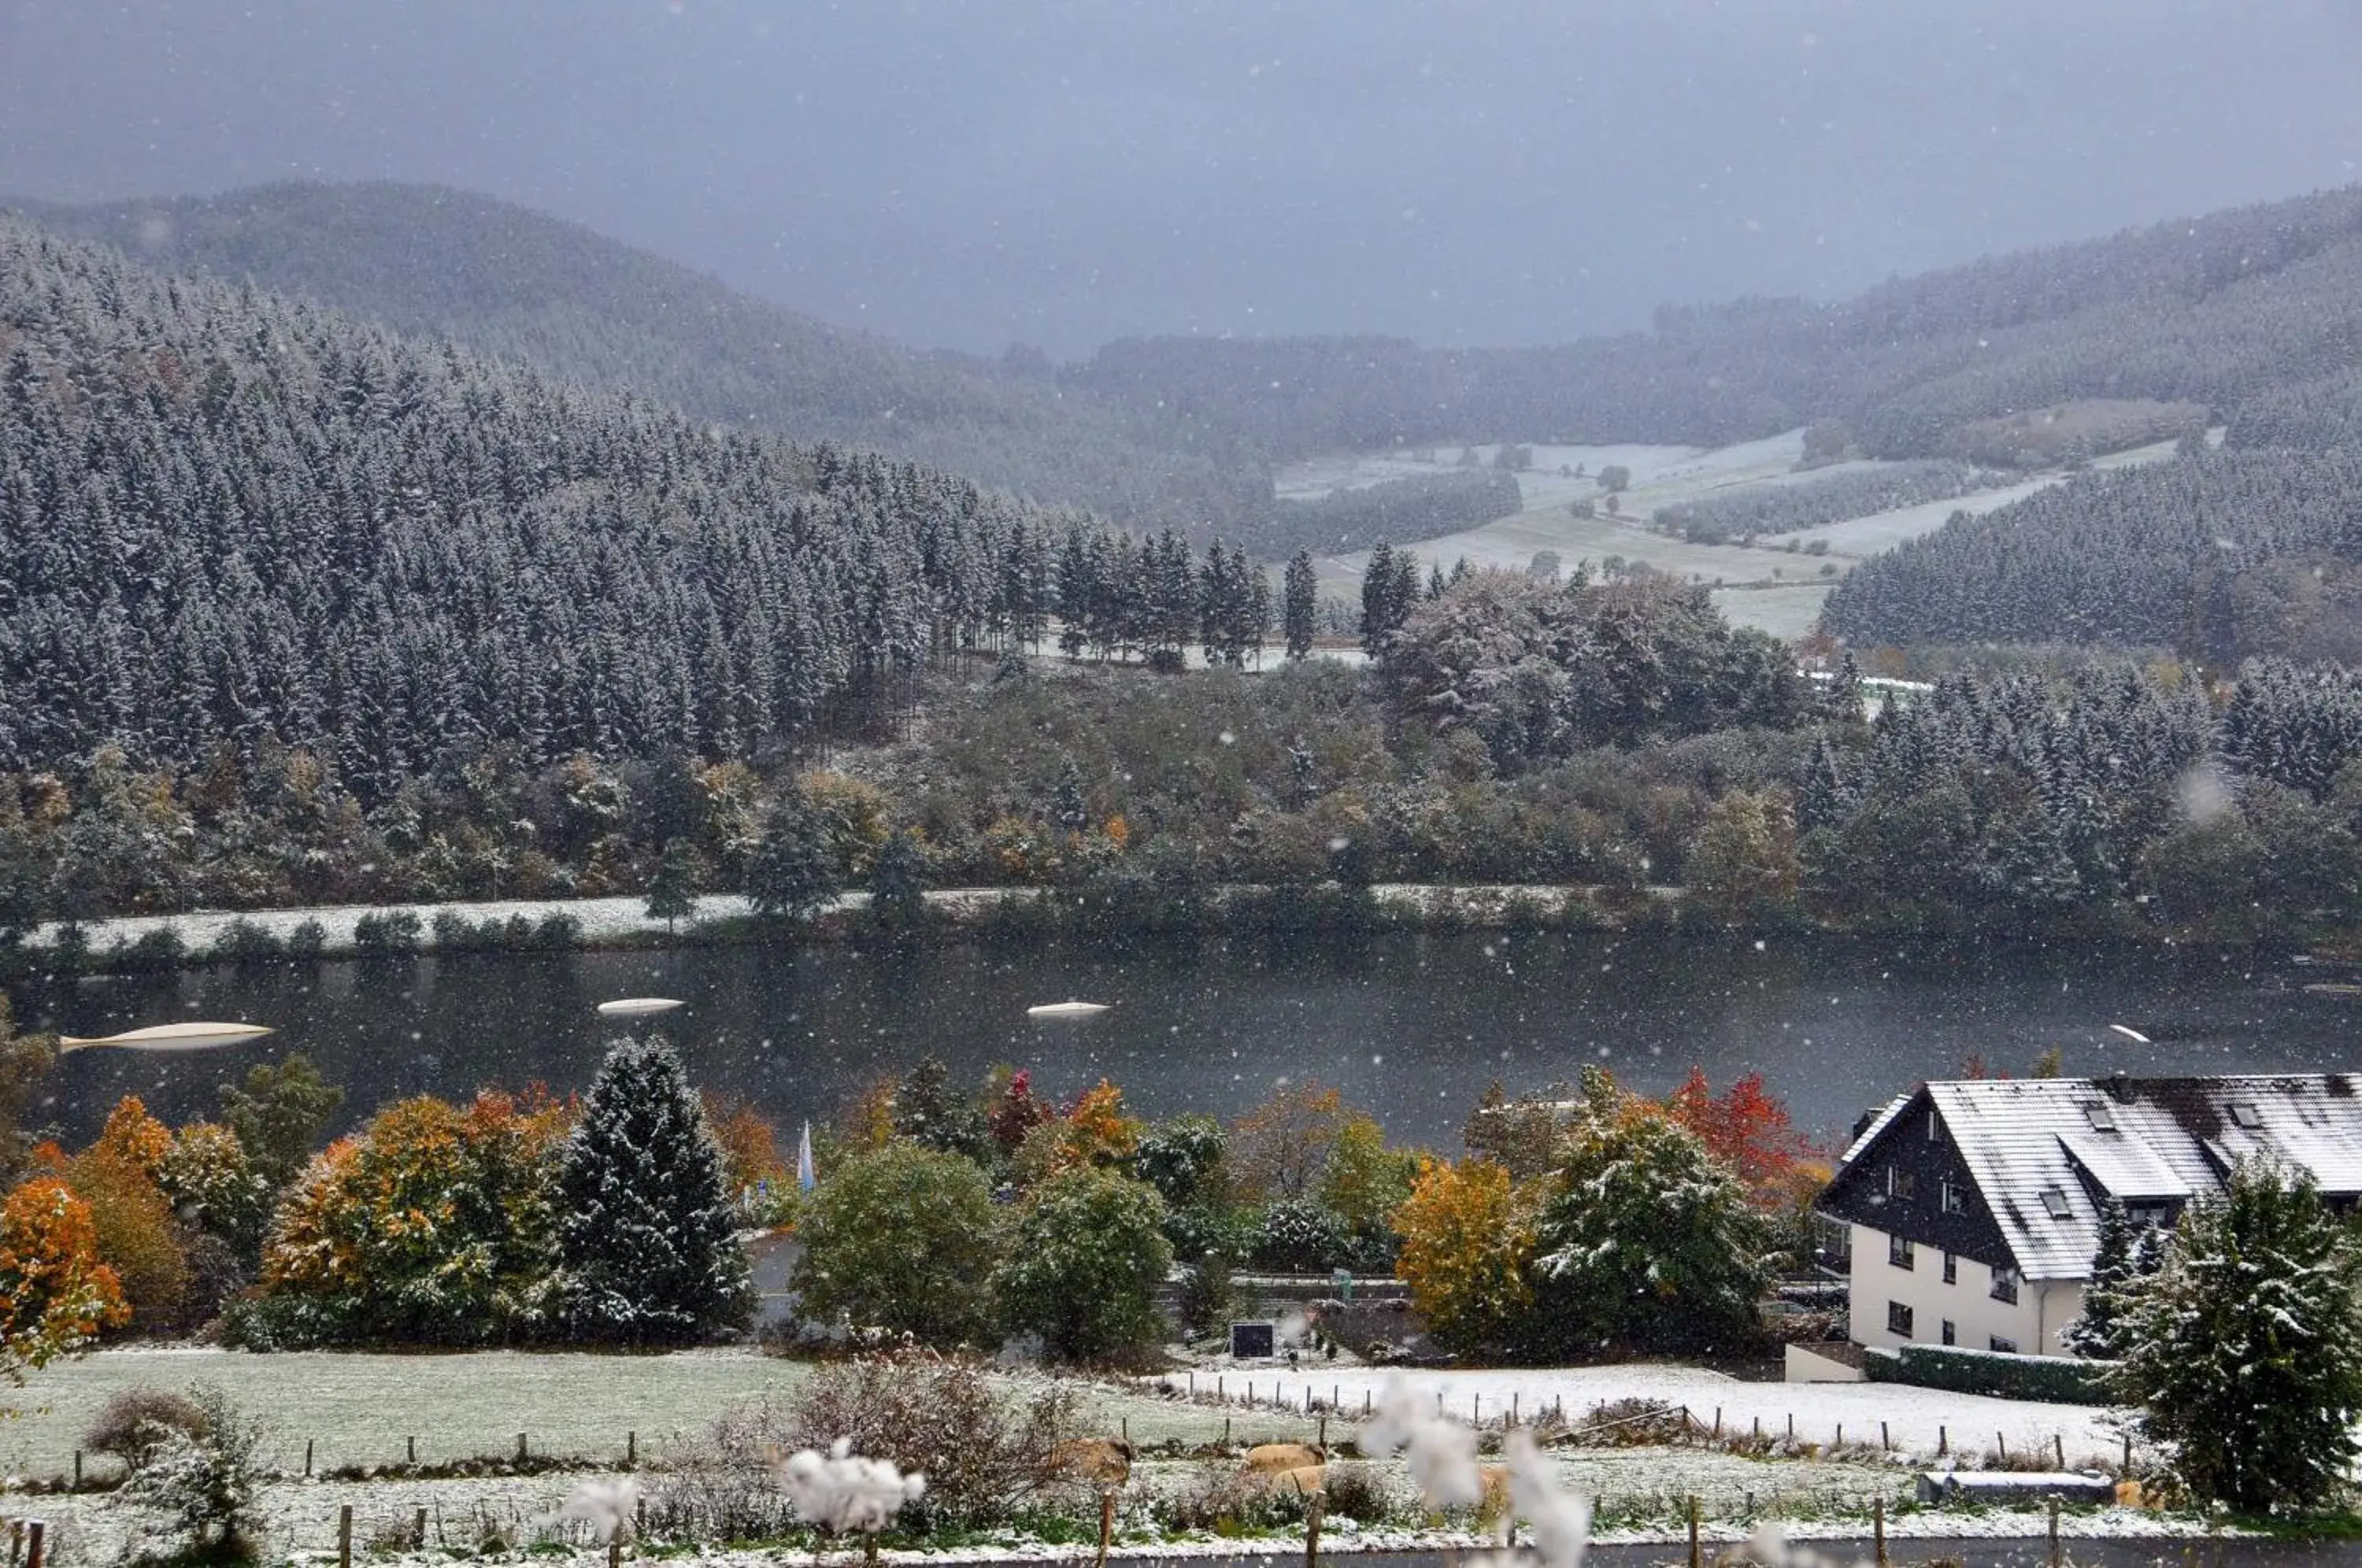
pixel 1065 171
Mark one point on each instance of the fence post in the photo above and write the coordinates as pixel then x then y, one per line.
pixel 1313 1506
pixel 1695 1559
pixel 36 1532
pixel 1840 1434
pixel 1885 1443
pixel 1717 1424
pixel 2054 1530
pixel 1226 1431
pixel 521 1450
pixel 307 1458
pixel 2129 1453
pixel 77 1484
pixel 418 1529
pixel 631 1448
pixel 1943 1441
pixel 414 1448
pixel 1878 1528
pixel 1323 1438
pixel 1107 1522
pixel 1365 1405
pixel 2001 1446
pixel 345 1536
pixel 2058 1439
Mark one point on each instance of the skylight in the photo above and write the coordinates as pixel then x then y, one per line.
pixel 2244 1113
pixel 2103 1120
pixel 2054 1199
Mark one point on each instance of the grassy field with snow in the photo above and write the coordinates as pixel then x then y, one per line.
pixel 1767 585
pixel 359 1409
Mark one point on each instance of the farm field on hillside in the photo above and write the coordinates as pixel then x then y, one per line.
pixel 1768 586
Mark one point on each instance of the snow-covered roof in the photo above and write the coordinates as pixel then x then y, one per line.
pixel 2046 1153
pixel 1874 1126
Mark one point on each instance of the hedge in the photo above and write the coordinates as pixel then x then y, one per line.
pixel 2065 1380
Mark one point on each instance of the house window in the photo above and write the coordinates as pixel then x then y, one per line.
pixel 1898 1252
pixel 2006 1347
pixel 1934 1135
pixel 1898 1318
pixel 1951 1335
pixel 2244 1113
pixel 2004 1284
pixel 1900 1185
pixel 1951 1269
pixel 2103 1120
pixel 2054 1202
pixel 1953 1199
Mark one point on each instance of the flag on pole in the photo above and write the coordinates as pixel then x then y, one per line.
pixel 806 1178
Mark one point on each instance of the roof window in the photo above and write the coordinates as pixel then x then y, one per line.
pixel 2103 1120
pixel 2054 1202
pixel 2244 1113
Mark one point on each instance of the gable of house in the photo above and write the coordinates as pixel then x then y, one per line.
pixel 2044 1155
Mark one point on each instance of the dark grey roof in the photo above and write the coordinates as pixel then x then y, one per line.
pixel 2038 1154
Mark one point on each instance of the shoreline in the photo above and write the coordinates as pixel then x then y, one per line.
pixel 207 938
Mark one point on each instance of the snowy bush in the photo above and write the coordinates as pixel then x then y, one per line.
pixel 940 1415
pixel 205 1480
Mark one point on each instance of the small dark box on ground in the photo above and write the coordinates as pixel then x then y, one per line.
pixel 1250 1340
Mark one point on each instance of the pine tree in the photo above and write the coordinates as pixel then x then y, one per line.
pixel 898 881
pixel 2244 1349
pixel 2099 1332
pixel 672 890
pixel 792 873
pixel 1377 592
pixel 1299 605
pixel 648 1246
pixel 1068 808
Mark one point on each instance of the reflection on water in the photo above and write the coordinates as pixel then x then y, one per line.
pixel 1412 1027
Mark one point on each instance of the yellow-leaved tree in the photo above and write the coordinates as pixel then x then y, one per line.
pixel 1467 1237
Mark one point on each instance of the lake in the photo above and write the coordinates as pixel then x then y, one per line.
pixel 1412 1027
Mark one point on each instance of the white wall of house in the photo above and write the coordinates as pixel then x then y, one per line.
pixel 2030 1325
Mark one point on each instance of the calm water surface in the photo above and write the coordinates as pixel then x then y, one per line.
pixel 1411 1027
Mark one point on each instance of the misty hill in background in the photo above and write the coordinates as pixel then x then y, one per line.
pixel 508 281
pixel 2256 309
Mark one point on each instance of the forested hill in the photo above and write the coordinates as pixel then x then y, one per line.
pixel 2219 555
pixel 2231 311
pixel 224 518
pixel 506 280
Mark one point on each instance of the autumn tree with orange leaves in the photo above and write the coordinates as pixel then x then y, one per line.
pixel 433 1225
pixel 1747 1130
pixel 55 1294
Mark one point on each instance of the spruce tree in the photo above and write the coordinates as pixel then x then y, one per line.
pixel 673 891
pixel 648 1246
pixel 2244 1349
pixel 792 872
pixel 1377 590
pixel 1299 605
pixel 2099 1332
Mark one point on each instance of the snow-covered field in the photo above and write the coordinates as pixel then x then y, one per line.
pixel 359 1408
pixel 1765 585
pixel 1917 1420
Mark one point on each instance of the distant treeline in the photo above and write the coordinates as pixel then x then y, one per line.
pixel 2218 555
pixel 2221 311
pixel 541 291
pixel 1421 506
pixel 2248 315
pixel 1823 499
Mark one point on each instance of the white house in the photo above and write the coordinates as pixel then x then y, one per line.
pixel 1973 1206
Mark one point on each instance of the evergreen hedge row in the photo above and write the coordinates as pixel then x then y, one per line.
pixel 2065 1380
